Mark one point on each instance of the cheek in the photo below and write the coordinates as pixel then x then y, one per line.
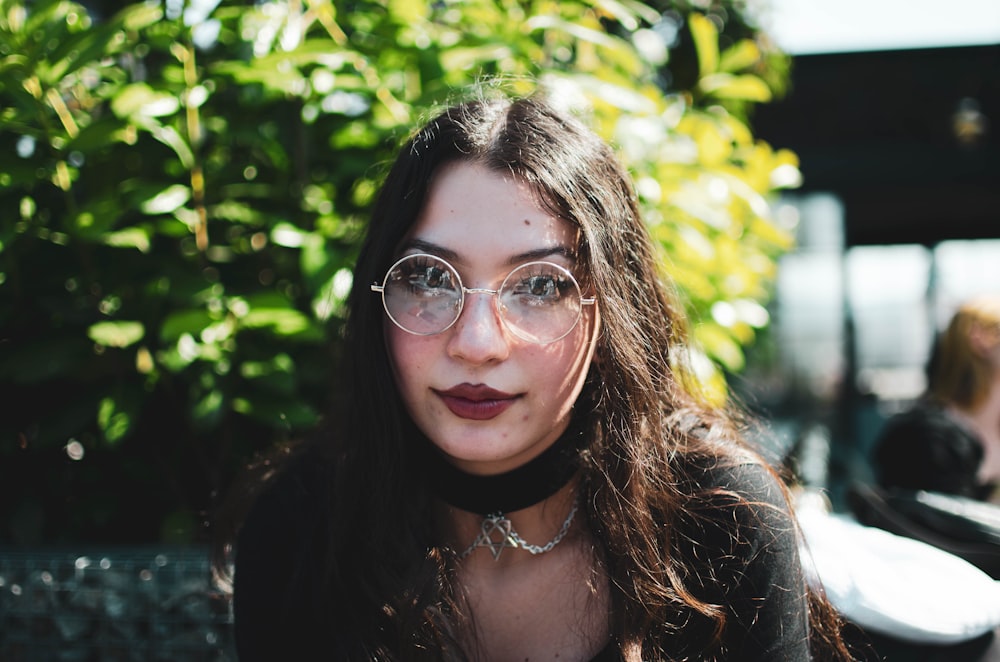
pixel 408 355
pixel 566 370
pixel 396 346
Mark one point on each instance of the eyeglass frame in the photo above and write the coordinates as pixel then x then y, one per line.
pixel 380 288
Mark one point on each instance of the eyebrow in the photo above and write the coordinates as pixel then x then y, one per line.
pixel 519 258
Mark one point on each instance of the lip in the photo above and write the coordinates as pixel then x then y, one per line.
pixel 476 402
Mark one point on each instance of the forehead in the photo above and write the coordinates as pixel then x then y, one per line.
pixel 478 213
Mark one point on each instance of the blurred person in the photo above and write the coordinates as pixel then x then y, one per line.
pixel 949 441
pixel 523 467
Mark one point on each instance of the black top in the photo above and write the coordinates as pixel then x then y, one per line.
pixel 925 448
pixel 758 577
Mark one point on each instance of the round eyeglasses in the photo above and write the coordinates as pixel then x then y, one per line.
pixel 538 301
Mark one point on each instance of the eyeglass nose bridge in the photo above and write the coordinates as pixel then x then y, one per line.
pixel 496 305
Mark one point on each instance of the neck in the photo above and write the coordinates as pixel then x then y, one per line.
pixel 540 531
pixel 509 492
pixel 984 420
pixel 984 417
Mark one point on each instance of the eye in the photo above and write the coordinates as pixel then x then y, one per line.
pixel 430 279
pixel 541 288
pixel 425 278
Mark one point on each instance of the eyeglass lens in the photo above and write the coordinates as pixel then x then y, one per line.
pixel 539 302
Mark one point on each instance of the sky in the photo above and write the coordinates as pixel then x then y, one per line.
pixel 833 26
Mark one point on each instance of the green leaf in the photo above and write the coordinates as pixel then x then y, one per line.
pixel 720 344
pixel 140 15
pixel 169 136
pixel 319 263
pixel 99 135
pixel 272 79
pixel 139 100
pixel 116 334
pixel 273 381
pixel 281 363
pixel 741 55
pixel 167 200
pixel 208 410
pixel 85 48
pixel 625 98
pixel 286 234
pixel 706 43
pixel 280 321
pixel 465 58
pixel 115 419
pixel 142 106
pixel 192 321
pixel 137 238
pixel 576 30
pixel 629 14
pixel 641 10
pixel 408 12
pixel 727 86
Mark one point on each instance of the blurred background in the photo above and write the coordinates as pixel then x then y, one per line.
pixel 892 109
pixel 184 184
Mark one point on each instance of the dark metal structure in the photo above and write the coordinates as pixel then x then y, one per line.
pixel 909 140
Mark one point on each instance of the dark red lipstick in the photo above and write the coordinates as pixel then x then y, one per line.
pixel 476 402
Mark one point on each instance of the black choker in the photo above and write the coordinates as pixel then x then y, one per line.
pixel 512 491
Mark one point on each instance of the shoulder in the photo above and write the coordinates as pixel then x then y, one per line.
pixel 279 556
pixel 752 479
pixel 923 426
pixel 742 505
pixel 289 494
pixel 287 516
pixel 925 448
pixel 721 469
pixel 739 539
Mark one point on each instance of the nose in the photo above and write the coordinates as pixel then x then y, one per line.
pixel 479 335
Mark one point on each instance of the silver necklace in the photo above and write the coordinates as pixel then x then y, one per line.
pixel 497 534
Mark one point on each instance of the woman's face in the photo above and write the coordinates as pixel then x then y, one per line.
pixel 489 400
pixel 984 337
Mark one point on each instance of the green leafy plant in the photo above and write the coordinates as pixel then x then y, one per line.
pixel 184 187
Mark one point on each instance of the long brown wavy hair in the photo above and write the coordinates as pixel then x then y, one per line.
pixel 647 420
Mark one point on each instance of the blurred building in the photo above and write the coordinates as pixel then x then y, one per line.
pixel 898 220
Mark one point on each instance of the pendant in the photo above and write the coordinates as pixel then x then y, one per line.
pixel 495 535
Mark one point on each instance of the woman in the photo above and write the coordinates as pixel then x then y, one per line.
pixel 950 441
pixel 523 468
